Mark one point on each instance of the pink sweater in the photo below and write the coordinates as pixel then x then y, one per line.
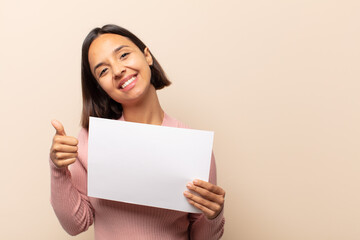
pixel 117 220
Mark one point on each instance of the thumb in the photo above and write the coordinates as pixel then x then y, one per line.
pixel 58 127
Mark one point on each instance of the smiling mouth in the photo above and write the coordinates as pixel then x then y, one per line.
pixel 128 82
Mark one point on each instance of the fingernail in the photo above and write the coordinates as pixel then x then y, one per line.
pixel 196 181
pixel 189 185
pixel 186 193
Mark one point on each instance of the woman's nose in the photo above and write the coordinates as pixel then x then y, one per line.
pixel 118 69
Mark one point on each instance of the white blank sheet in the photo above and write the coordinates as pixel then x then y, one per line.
pixel 146 164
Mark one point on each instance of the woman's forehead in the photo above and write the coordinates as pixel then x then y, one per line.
pixel 109 40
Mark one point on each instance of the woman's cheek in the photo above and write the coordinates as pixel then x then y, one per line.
pixel 131 63
pixel 107 84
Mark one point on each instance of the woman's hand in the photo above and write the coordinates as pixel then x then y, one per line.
pixel 64 148
pixel 210 198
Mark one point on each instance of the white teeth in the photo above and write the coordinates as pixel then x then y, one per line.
pixel 128 82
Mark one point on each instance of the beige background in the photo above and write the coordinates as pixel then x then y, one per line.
pixel 278 82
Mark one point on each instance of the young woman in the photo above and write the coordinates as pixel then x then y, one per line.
pixel 120 77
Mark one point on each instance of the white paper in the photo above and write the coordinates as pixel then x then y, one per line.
pixel 146 164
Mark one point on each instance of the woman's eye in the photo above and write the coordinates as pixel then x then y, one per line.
pixel 124 55
pixel 102 72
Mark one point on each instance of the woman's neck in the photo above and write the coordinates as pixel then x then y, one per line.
pixel 148 110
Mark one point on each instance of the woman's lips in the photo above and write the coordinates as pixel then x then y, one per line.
pixel 128 83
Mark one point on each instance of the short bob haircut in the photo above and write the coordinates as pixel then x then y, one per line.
pixel 96 102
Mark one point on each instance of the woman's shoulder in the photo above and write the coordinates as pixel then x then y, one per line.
pixel 170 121
pixel 83 134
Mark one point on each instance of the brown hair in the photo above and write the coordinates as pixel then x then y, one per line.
pixel 96 102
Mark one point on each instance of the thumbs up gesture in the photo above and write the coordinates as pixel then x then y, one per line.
pixel 64 148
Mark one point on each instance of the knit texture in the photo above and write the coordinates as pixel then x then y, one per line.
pixel 117 220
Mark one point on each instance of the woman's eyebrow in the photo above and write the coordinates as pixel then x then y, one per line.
pixel 119 48
pixel 114 51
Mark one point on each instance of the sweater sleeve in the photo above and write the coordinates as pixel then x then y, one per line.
pixel 69 192
pixel 200 226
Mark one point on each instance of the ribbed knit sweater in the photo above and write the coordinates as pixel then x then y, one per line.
pixel 118 220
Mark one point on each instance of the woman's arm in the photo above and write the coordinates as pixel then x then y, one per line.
pixel 69 192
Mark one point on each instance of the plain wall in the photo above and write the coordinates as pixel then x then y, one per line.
pixel 278 82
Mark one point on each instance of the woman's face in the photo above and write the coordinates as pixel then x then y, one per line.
pixel 120 67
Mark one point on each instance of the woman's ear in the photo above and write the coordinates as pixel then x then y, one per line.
pixel 148 56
